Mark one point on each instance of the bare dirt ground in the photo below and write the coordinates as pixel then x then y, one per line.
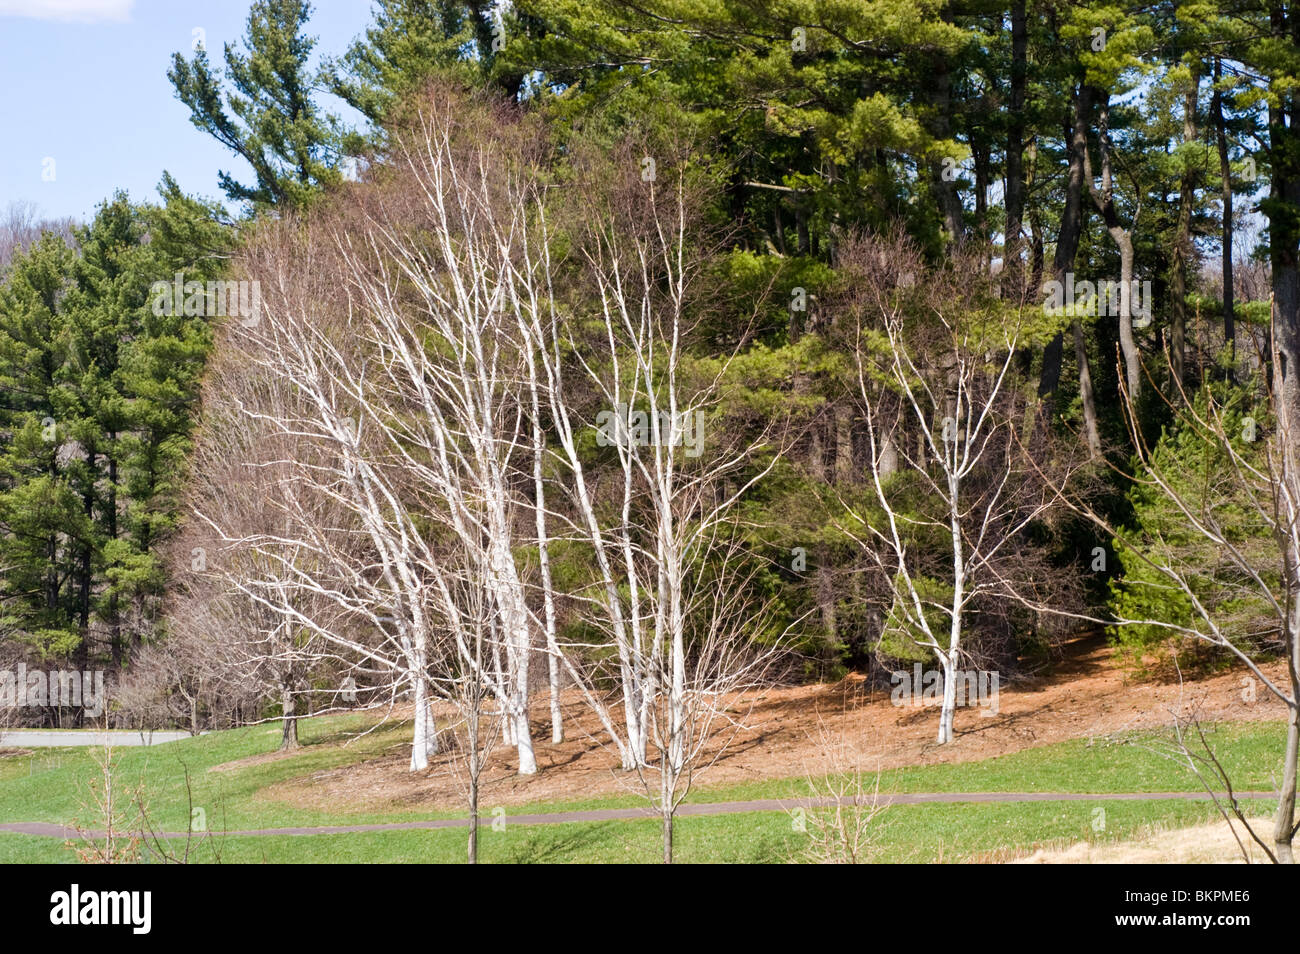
pixel 1212 843
pixel 785 733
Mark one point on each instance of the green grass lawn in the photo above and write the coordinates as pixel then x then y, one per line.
pixel 51 786
pixel 906 833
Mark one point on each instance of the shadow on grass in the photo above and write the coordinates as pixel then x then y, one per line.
pixel 541 846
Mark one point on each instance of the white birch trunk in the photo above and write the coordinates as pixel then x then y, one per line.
pixel 952 657
pixel 544 563
pixel 425 736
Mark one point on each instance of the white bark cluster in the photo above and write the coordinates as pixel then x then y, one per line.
pixel 429 360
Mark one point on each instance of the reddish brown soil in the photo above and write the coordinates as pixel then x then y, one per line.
pixel 786 731
pixel 252 760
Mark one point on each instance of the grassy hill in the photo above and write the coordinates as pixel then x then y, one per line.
pixel 55 786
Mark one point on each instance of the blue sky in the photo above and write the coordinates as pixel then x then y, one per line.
pixel 84 83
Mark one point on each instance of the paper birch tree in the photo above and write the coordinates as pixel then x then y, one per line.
pixel 951 488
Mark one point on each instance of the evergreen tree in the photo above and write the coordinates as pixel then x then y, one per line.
pixel 45 528
pixel 410 41
pixel 267 116
pixel 100 396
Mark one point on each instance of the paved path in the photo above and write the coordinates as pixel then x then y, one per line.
pixel 702 808
pixel 71 738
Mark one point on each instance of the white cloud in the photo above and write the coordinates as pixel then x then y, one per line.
pixel 69 11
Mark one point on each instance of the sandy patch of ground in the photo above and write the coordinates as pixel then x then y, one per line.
pixel 1087 695
pixel 1208 844
pixel 252 760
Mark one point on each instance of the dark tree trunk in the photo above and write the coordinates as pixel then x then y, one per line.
pixel 941 128
pixel 668 836
pixel 1067 241
pixel 1283 211
pixel 289 740
pixel 1225 173
pixel 1183 245
pixel 472 849
pixel 114 608
pixel 1015 149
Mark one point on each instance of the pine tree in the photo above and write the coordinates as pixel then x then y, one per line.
pixel 409 42
pixel 268 115
pixel 101 395
pixel 44 529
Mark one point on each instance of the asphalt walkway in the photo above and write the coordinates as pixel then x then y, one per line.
pixel 73 738
pixel 699 808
